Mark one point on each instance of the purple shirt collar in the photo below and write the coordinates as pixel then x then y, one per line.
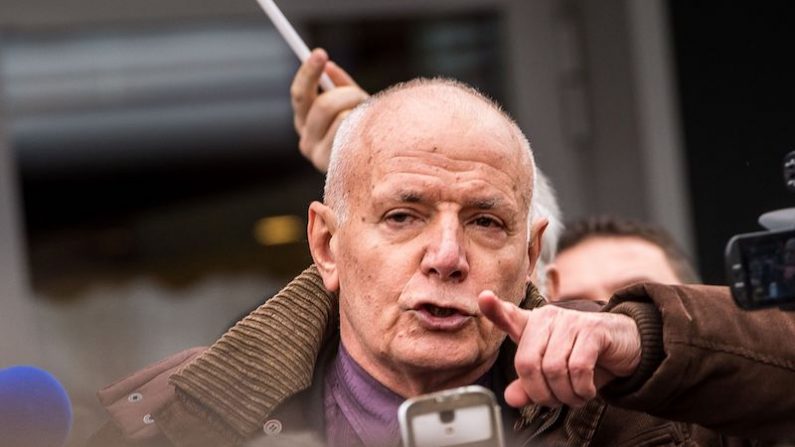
pixel 360 410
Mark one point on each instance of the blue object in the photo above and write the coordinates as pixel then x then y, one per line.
pixel 34 409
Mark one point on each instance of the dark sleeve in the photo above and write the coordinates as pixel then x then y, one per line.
pixel 708 362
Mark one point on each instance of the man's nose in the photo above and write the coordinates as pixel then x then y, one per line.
pixel 445 255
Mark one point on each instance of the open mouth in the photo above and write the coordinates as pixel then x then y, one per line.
pixel 440 312
pixel 440 318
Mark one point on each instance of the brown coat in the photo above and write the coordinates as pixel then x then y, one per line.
pixel 704 361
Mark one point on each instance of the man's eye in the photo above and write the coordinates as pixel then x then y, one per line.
pixel 487 222
pixel 399 217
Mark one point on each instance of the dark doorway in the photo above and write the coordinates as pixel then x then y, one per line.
pixel 738 103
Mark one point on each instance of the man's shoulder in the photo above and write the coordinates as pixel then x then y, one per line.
pixel 134 401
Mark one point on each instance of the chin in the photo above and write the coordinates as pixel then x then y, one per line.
pixel 445 354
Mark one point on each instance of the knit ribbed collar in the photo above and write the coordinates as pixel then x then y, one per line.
pixel 239 381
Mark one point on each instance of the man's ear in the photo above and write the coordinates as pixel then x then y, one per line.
pixel 553 281
pixel 320 232
pixel 534 244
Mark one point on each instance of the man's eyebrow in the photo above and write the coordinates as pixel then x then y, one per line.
pixel 487 203
pixel 410 196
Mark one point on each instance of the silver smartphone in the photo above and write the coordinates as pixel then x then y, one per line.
pixel 467 416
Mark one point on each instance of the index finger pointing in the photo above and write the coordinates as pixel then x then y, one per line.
pixel 504 315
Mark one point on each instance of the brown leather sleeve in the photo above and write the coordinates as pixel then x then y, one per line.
pixel 721 367
pixel 649 323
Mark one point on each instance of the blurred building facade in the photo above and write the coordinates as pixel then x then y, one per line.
pixel 145 141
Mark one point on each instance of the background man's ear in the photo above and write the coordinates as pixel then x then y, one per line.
pixel 321 231
pixel 534 244
pixel 553 281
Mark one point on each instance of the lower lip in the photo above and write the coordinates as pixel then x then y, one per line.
pixel 433 323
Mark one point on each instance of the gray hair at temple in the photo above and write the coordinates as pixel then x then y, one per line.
pixel 342 157
pixel 545 204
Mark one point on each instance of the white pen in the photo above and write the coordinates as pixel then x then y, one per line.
pixel 293 39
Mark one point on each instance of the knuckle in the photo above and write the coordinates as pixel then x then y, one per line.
pixel 356 94
pixel 554 369
pixel 546 310
pixel 588 394
pixel 580 369
pixel 323 105
pixel 585 392
pixel 304 146
pixel 554 313
pixel 592 322
pixel 297 93
pixel 315 158
pixel 526 367
pixel 298 123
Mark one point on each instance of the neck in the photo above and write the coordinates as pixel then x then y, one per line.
pixel 413 380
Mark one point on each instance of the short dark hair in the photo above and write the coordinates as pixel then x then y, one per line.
pixel 613 226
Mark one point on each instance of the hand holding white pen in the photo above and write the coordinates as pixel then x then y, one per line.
pixel 318 116
pixel 291 36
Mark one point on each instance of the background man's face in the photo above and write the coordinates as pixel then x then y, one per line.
pixel 437 214
pixel 598 266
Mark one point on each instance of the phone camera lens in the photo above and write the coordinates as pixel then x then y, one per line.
pixel 447 416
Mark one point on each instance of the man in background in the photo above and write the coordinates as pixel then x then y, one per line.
pixel 602 254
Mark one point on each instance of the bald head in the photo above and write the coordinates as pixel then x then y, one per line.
pixel 403 109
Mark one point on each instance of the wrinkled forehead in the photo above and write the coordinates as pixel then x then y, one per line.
pixel 447 121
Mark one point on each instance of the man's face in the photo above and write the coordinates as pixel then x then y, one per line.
pixel 437 213
pixel 599 266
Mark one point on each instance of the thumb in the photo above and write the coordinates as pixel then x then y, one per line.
pixel 506 316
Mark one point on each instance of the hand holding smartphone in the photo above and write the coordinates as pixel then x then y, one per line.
pixel 467 416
